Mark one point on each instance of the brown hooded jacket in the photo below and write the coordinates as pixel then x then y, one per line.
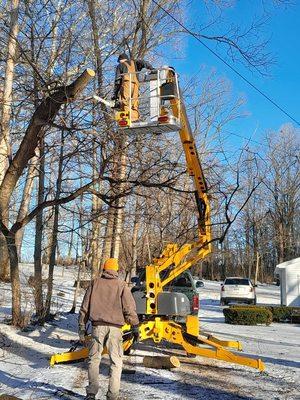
pixel 108 301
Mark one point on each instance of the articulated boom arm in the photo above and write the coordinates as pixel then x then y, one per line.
pixel 176 258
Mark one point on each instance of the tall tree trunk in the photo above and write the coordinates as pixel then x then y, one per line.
pixel 110 216
pixel 71 244
pixel 5 122
pixel 281 241
pixel 224 254
pixel 73 309
pixel 95 244
pixel 149 253
pixel 98 58
pixel 83 232
pixel 97 255
pixel 248 260
pixel 120 209
pixel 38 285
pixel 256 267
pixel 4 256
pixel 118 227
pixel 211 271
pixel 47 235
pixel 7 90
pixel 140 40
pixel 96 209
pixel 54 230
pixel 108 235
pixel 15 280
pixel 38 267
pixel 135 232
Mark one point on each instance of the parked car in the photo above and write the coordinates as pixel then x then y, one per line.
pixel 236 289
pixel 184 283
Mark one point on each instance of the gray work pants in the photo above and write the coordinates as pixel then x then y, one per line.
pixel 112 338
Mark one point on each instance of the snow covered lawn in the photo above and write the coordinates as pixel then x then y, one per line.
pixel 25 371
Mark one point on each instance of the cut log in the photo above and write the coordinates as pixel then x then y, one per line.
pixel 160 362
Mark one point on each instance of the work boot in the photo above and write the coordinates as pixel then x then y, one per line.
pixel 90 396
pixel 112 397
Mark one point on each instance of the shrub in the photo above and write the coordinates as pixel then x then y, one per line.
pixel 283 313
pixel 295 316
pixel 247 315
pixel 279 313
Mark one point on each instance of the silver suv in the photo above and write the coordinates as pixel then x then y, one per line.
pixel 237 289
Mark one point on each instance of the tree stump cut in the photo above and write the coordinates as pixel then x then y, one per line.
pixel 160 362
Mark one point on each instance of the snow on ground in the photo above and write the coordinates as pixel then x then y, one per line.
pixel 24 355
pixel 277 345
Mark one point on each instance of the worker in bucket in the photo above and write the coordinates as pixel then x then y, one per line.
pixel 108 304
pixel 127 84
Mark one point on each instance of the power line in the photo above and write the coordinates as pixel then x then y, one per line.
pixel 227 64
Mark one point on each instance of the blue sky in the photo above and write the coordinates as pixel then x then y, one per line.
pixel 283 86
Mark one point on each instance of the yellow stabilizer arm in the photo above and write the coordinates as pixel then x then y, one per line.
pixel 74 355
pixel 81 354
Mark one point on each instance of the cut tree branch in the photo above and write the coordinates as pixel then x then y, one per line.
pixel 43 115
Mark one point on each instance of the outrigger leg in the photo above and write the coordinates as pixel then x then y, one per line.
pixel 159 329
pixel 75 354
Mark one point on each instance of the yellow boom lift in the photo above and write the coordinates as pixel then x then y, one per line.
pixel 164 111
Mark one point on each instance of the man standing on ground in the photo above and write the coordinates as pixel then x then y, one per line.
pixel 108 304
pixel 127 84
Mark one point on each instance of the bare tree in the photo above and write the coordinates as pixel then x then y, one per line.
pixel 5 151
pixel 283 184
pixel 43 115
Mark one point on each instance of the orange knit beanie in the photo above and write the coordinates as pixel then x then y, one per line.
pixel 111 263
